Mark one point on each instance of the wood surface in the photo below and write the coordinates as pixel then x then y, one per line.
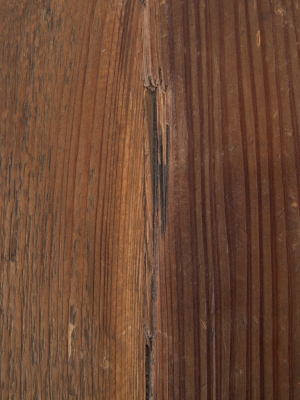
pixel 150 199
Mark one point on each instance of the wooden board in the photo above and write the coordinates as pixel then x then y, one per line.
pixel 149 208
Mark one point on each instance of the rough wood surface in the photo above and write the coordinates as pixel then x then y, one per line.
pixel 150 198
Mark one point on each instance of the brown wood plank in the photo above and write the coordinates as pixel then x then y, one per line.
pixel 72 217
pixel 228 282
pixel 149 208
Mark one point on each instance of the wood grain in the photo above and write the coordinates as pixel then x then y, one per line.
pixel 149 208
pixel 228 280
pixel 72 217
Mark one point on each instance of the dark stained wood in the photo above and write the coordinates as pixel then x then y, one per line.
pixel 228 281
pixel 149 208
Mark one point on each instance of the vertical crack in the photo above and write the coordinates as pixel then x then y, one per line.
pixel 159 147
pixel 151 104
pixel 148 370
pixel 159 144
pixel 151 114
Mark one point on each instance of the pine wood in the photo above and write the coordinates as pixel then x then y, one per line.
pixel 149 208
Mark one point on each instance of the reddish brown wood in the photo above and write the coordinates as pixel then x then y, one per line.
pixel 228 282
pixel 72 216
pixel 149 208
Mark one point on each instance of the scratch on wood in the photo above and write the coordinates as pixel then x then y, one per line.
pixel 70 332
pixel 258 38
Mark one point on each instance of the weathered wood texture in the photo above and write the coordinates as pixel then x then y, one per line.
pixel 150 198
pixel 72 217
